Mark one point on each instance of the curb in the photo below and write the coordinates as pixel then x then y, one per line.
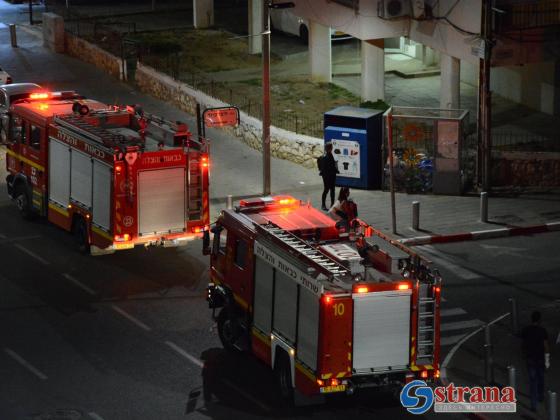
pixel 481 234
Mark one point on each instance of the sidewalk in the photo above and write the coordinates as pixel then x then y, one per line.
pixel 466 366
pixel 236 168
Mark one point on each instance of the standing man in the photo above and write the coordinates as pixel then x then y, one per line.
pixel 537 354
pixel 328 170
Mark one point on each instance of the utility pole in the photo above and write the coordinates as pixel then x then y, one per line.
pixel 485 99
pixel 266 97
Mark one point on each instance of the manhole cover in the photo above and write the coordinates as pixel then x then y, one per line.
pixel 60 414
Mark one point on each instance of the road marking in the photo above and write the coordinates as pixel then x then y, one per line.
pixel 32 254
pixel 459 325
pixel 186 355
pixel 25 364
pixel 79 284
pixel 95 416
pixel 246 395
pixel 131 318
pixel 452 312
pixel 452 339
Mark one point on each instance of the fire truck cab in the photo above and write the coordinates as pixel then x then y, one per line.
pixel 328 310
pixel 116 177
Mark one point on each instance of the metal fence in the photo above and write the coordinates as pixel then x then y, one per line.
pixel 516 141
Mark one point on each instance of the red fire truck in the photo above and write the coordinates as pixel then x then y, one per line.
pixel 329 309
pixel 115 177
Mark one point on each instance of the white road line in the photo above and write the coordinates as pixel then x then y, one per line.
pixel 186 355
pixel 452 312
pixel 452 339
pixel 25 364
pixel 246 395
pixel 79 284
pixel 131 318
pixel 460 325
pixel 32 254
pixel 95 416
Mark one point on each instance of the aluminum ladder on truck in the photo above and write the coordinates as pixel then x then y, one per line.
pixel 78 125
pixel 426 324
pixel 323 263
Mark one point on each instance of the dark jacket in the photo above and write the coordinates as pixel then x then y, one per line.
pixel 329 169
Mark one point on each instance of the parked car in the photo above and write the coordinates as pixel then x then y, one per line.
pixel 5 78
pixel 285 21
pixel 8 95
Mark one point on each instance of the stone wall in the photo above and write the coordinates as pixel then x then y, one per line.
pixel 297 148
pixel 90 53
pixel 525 169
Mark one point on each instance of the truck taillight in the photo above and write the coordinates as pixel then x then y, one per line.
pixel 437 289
pixel 327 299
pixel 199 229
pixel 205 162
pixel 122 238
pixel 424 374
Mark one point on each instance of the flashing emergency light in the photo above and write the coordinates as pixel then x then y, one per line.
pixel 335 382
pixel 118 168
pixel 438 289
pixel 122 238
pixel 437 374
pixel 39 95
pixel 403 286
pixel 362 289
pixel 424 374
pixel 328 299
pixel 320 382
pixel 204 162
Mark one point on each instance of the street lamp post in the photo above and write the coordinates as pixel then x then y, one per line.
pixel 266 96
pixel 268 4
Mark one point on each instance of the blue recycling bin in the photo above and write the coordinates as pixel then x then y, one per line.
pixel 356 135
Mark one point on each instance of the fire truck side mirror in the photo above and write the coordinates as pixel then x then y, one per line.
pixel 206 250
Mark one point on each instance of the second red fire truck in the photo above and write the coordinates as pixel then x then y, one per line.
pixel 115 177
pixel 328 309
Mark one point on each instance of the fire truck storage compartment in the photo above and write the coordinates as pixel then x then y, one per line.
pixel 285 306
pixel 80 173
pixel 270 283
pixel 161 201
pixel 102 181
pixel 381 331
pixel 59 173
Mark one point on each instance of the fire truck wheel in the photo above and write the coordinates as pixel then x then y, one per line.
pixel 22 201
pixel 81 235
pixel 283 372
pixel 229 329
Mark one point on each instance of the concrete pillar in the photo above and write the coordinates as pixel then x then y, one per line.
pixel 320 56
pixel 428 57
pixel 203 13
pixel 450 88
pixel 53 32
pixel 255 26
pixel 373 70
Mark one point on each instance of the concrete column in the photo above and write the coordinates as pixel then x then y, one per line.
pixel 450 88
pixel 428 57
pixel 203 13
pixel 373 70
pixel 255 26
pixel 320 52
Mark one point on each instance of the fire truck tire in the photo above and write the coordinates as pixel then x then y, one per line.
pixel 81 235
pixel 283 373
pixel 23 203
pixel 229 329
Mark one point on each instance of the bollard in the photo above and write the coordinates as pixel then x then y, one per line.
pixel 229 202
pixel 488 360
pixel 552 406
pixel 13 35
pixel 416 215
pixel 484 207
pixel 513 316
pixel 511 376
